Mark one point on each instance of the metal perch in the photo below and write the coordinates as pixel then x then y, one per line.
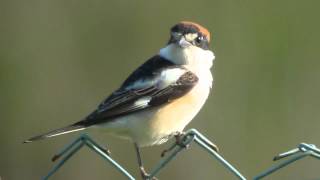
pixel 302 151
pixel 75 146
pixel 190 136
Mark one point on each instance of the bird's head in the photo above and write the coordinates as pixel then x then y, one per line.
pixel 189 46
pixel 186 34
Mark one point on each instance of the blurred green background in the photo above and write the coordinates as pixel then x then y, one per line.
pixel 59 59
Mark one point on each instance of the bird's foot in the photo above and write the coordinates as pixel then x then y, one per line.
pixel 179 141
pixel 145 175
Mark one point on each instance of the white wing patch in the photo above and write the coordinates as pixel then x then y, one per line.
pixel 169 77
pixel 195 59
pixel 142 101
pixel 165 78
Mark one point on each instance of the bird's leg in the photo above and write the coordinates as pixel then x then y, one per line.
pixel 179 141
pixel 144 174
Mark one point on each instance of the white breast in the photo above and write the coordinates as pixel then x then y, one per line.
pixel 154 126
pixel 173 117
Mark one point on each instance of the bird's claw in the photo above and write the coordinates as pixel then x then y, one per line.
pixel 179 136
pixel 179 140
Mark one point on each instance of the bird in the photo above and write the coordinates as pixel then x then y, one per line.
pixel 160 98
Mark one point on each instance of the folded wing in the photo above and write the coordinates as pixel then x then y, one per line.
pixel 155 83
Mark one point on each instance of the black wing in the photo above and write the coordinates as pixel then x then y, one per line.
pixel 129 99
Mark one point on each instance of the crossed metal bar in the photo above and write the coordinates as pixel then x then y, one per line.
pixel 67 152
pixel 303 150
pixel 190 136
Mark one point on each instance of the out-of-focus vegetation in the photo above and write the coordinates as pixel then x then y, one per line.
pixel 59 59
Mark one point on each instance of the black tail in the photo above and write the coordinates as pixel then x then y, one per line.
pixel 57 132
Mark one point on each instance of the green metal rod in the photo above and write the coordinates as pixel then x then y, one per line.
pixel 281 165
pixel 302 151
pixel 75 146
pixel 67 148
pixel 72 151
pixel 67 152
pixel 99 151
pixel 315 155
pixel 202 141
pixel 311 147
pixel 174 152
pixel 88 139
pixel 225 163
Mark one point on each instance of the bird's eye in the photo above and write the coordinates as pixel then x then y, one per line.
pixel 199 39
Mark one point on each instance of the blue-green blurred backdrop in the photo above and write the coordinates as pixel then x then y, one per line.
pixel 59 59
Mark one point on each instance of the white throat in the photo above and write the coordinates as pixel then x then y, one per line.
pixel 195 59
pixel 192 57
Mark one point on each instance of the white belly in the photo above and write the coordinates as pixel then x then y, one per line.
pixel 153 126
